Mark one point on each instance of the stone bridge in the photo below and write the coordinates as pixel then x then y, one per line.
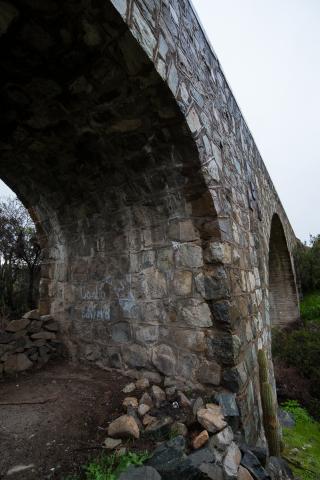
pixel 165 244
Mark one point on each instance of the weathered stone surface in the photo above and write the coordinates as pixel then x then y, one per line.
pixel 252 464
pixel 231 462
pixel 130 402
pixel 129 388
pixel 143 409
pixel 124 427
pixel 209 373
pixel 158 395
pixel 278 469
pixel 198 403
pixel 286 419
pixel 159 428
pixel 142 384
pixel 183 400
pixel 140 473
pixel 17 325
pixel 164 359
pixel 200 440
pixel 146 399
pixel 211 419
pixel 222 439
pixel 33 315
pixel 112 443
pixel 178 428
pixel 44 336
pixel 157 210
pixel 17 363
pixel 243 474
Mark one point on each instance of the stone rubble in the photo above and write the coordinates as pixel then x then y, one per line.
pixel 28 342
pixel 203 445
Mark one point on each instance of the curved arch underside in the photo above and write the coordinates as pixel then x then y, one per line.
pixel 92 140
pixel 283 299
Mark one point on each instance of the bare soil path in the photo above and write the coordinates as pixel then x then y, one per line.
pixel 54 419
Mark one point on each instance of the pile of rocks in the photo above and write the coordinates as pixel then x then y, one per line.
pixel 27 342
pixel 205 439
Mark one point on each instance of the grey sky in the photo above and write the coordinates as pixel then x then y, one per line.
pixel 270 53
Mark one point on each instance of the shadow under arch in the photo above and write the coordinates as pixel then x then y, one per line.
pixel 283 296
pixel 92 138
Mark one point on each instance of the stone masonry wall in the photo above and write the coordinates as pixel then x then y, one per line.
pixel 121 134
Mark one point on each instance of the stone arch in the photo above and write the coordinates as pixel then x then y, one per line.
pixel 283 299
pixel 94 142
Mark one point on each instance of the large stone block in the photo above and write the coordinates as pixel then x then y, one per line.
pixel 164 359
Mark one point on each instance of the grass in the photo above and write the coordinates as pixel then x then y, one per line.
pixel 310 307
pixel 109 467
pixel 302 443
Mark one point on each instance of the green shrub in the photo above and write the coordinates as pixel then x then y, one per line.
pixel 109 467
pixel 310 307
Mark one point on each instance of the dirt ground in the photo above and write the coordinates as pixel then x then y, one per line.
pixel 53 420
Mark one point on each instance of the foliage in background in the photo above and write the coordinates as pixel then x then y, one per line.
pixel 19 259
pixel 307 263
pixel 300 348
pixel 310 308
pixel 302 443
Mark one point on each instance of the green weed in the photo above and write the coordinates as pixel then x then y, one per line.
pixel 302 443
pixel 109 467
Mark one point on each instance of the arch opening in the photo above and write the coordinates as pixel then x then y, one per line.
pixel 96 145
pixel 283 298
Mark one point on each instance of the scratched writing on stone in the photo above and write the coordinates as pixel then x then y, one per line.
pixel 96 312
pixel 96 293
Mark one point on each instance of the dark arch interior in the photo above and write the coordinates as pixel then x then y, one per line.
pixel 94 144
pixel 283 298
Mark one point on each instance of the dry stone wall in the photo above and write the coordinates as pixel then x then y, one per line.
pixel 153 206
pixel 28 342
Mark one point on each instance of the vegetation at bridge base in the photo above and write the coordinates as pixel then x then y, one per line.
pixel 19 260
pixel 302 443
pixel 110 466
pixel 300 348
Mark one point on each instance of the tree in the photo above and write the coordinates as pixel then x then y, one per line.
pixel 307 261
pixel 19 251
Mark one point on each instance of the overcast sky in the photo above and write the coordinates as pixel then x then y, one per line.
pixel 270 53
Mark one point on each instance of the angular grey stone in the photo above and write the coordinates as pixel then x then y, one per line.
pixel 17 325
pixel 164 359
pixel 227 402
pixel 252 464
pixel 159 428
pixel 136 356
pixel 231 462
pixel 278 469
pixel 221 440
pixel 140 473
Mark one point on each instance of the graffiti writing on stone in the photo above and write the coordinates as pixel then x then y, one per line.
pixel 96 293
pixel 96 312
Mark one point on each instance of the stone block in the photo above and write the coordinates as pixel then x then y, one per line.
pixel 164 359
pixel 17 325
pixel 209 373
pixel 194 313
pixel 188 255
pixel 136 356
pixel 183 231
pixel 121 332
pixel 182 282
